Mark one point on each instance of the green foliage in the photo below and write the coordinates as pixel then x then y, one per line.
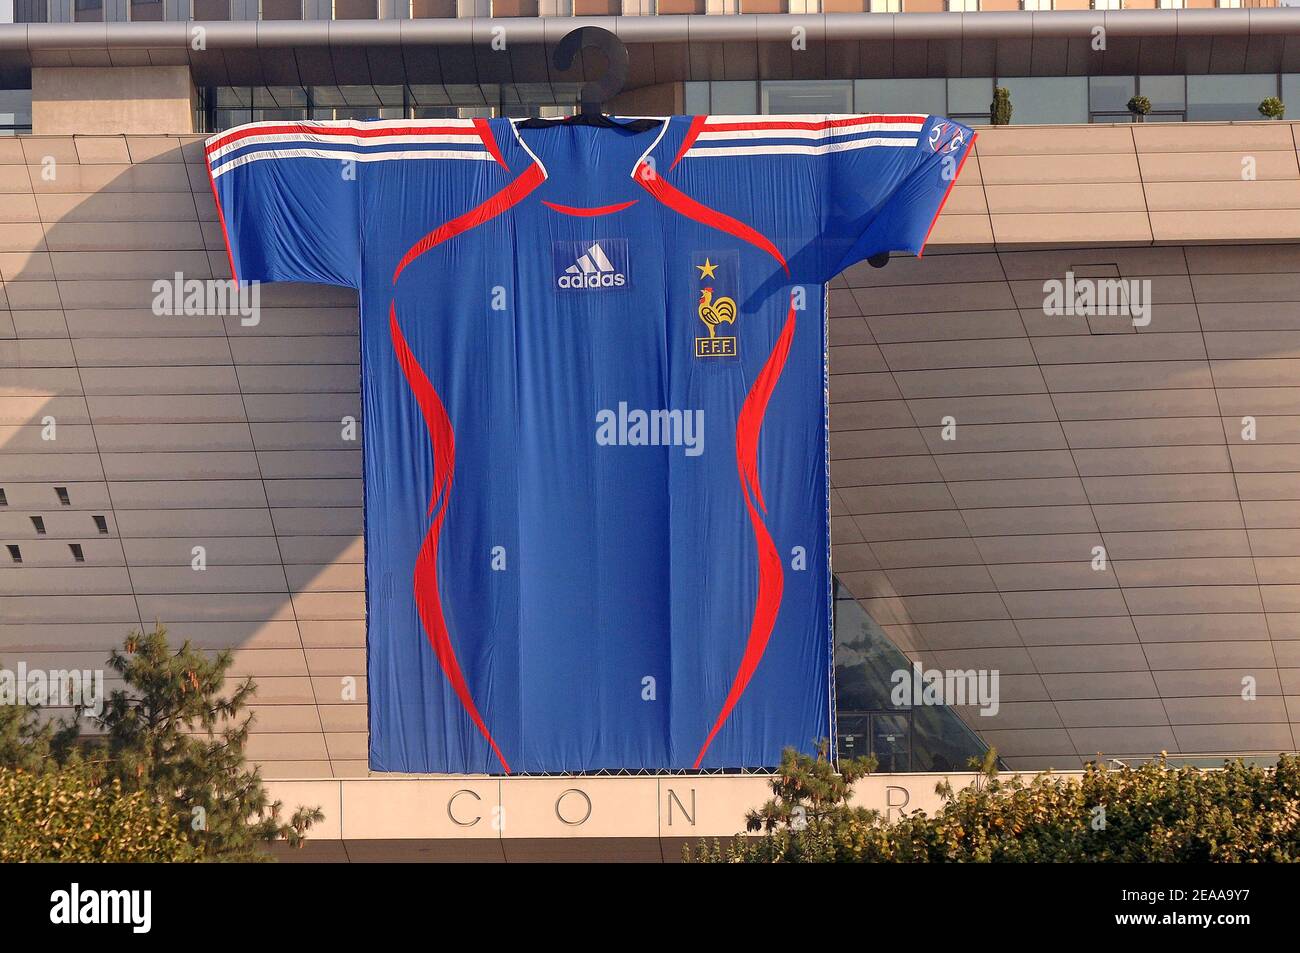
pixel 1139 105
pixel 1272 108
pixel 1000 109
pixel 1152 813
pixel 175 735
pixel 70 816
pixel 803 822
pixel 29 744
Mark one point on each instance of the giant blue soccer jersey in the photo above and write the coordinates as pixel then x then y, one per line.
pixel 593 374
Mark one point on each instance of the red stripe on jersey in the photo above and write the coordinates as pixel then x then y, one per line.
pixel 682 203
pixel 425 579
pixel 489 141
pixel 589 212
pixel 692 133
pixel 512 194
pixel 771 575
pixel 810 124
pixel 221 217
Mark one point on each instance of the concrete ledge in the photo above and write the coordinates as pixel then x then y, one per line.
pixel 650 808
pixel 143 100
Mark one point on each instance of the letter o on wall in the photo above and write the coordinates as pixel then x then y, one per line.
pixel 560 813
pixel 451 804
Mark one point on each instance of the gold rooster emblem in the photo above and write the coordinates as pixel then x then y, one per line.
pixel 713 313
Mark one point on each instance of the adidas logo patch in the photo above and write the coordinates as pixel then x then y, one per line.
pixel 585 266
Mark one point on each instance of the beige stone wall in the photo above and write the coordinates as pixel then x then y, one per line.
pixel 91 101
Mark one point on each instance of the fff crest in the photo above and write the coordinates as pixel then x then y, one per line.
pixel 715 304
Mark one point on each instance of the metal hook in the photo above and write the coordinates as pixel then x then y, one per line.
pixel 598 92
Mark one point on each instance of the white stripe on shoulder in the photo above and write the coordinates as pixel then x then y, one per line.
pixel 705 152
pixel 396 140
pixel 344 155
pixel 797 133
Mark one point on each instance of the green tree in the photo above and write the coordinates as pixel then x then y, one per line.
pixel 175 735
pixel 808 816
pixel 177 731
pixel 31 744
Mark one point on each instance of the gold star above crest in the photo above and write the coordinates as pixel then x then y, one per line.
pixel 707 269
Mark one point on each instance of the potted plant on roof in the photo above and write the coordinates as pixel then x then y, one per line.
pixel 1272 108
pixel 1000 108
pixel 1139 106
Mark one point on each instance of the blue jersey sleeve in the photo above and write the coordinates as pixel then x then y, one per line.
pixel 830 191
pixel 886 199
pixel 287 196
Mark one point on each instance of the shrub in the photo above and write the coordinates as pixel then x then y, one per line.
pixel 1272 108
pixel 1139 105
pixel 1000 109
pixel 69 816
pixel 1152 813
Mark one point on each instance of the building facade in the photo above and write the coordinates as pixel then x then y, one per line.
pixel 1102 508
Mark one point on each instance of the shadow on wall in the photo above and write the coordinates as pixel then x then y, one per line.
pixel 137 445
pixel 1106 514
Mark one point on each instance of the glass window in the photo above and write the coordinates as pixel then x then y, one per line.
pixel 279 97
pixel 1105 4
pixel 1229 4
pixel 941 741
pixel 732 99
pixel 432 9
pixel 963 6
pixel 1291 90
pixel 1036 4
pixel 226 97
pixel 435 112
pixel 1110 93
pixel 1047 99
pixel 695 99
pixel 227 118
pixel 1167 93
pixel 885 6
pixel 145 11
pixel 899 96
pixel 15 114
pixel 514 8
pixel 280 115
pixel 87 11
pixel 1211 98
pixel 31 11
pixel 903 738
pixel 359 113
pixel 209 9
pixel 1170 4
pixel 279 10
pixel 356 10
pixel 808 96
pixel 970 97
